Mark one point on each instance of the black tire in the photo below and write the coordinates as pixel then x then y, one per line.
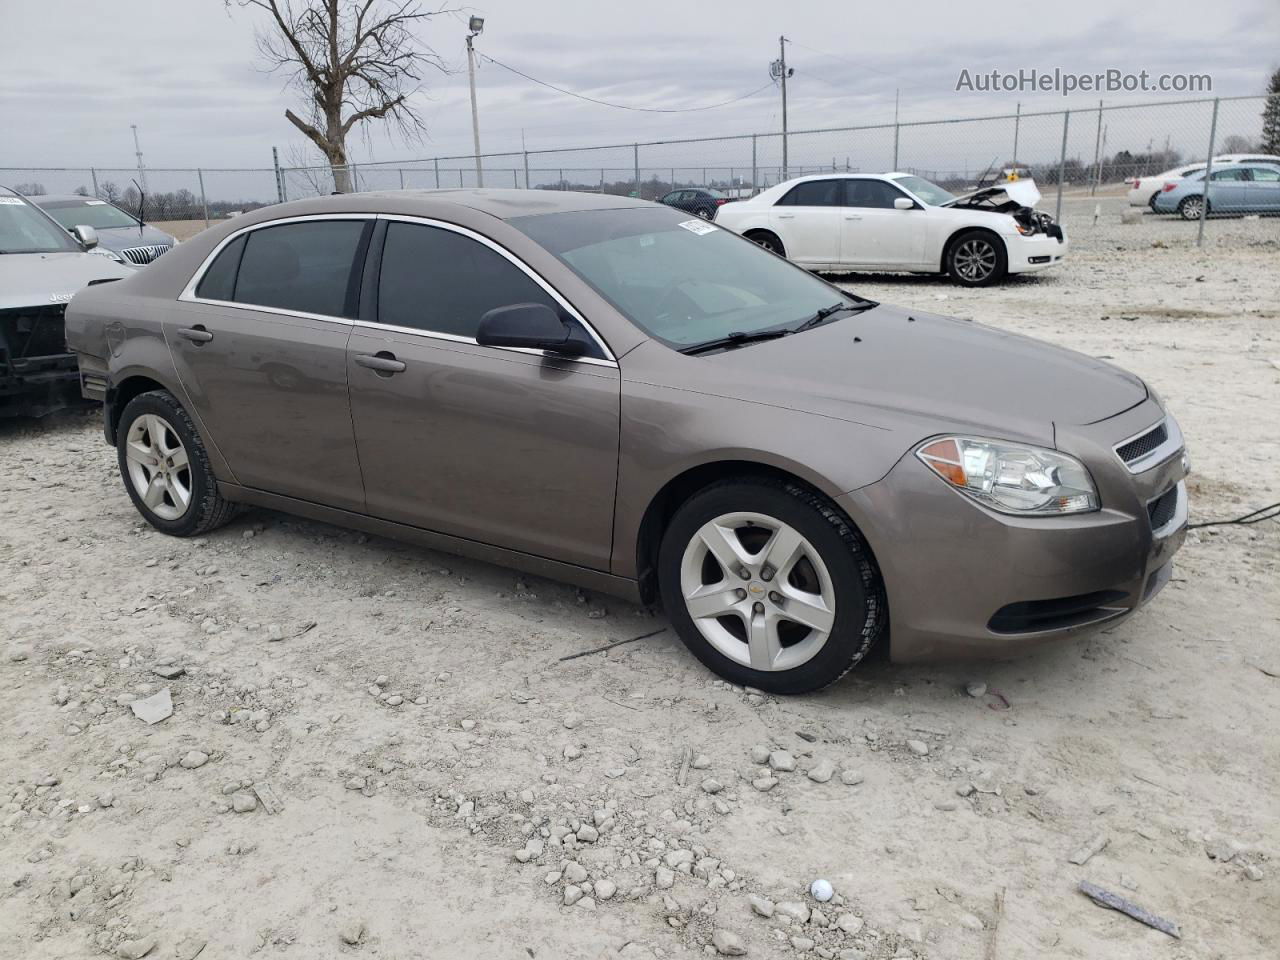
pixel 207 510
pixel 1189 208
pixel 958 253
pixel 1152 201
pixel 861 613
pixel 706 213
pixel 767 240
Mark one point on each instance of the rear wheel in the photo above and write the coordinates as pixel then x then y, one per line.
pixel 977 258
pixel 767 240
pixel 770 586
pixel 166 469
pixel 1189 208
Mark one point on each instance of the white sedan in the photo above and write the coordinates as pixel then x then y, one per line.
pixel 901 222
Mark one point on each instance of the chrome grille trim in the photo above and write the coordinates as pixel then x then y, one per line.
pixel 145 254
pixel 1148 457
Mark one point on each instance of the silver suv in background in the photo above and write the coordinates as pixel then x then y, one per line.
pixel 121 235
pixel 41 266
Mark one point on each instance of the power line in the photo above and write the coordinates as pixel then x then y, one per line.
pixel 620 106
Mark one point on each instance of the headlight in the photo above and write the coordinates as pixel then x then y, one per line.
pixel 1012 479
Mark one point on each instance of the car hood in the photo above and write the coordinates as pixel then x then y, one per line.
pixel 1022 192
pixel 120 238
pixel 36 279
pixel 902 369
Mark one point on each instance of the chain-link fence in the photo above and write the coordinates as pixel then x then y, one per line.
pixel 1100 151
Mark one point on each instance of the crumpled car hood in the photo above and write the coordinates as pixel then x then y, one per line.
pixel 1022 192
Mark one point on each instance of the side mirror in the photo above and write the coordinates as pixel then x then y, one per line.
pixel 533 326
pixel 903 203
pixel 87 236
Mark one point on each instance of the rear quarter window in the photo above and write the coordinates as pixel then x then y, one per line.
pixel 303 267
pixel 219 281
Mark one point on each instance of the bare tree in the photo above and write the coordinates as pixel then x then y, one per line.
pixel 30 189
pixel 108 191
pixel 355 60
pixel 81 191
pixel 1237 144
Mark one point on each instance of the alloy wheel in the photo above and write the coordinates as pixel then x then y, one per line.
pixel 758 591
pixel 975 260
pixel 1191 208
pixel 158 466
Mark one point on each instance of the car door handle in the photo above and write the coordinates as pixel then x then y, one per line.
pixel 196 334
pixel 853 216
pixel 786 216
pixel 382 362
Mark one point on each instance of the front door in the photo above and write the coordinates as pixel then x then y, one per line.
pixel 877 234
pixel 1262 191
pixel 512 448
pixel 260 348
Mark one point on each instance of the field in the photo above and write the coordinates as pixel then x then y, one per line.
pixel 444 783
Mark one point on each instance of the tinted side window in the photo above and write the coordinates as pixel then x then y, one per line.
pixel 219 281
pixel 438 280
pixel 870 193
pixel 300 266
pixel 1235 173
pixel 814 193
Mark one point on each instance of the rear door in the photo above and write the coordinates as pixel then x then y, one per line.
pixel 259 341
pixel 807 219
pixel 514 448
pixel 1227 189
pixel 877 234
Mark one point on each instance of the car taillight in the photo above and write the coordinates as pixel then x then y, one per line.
pixel 721 200
pixel 1136 183
pixel 1170 186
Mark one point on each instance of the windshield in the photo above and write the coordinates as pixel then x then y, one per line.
pixel 681 281
pixel 24 229
pixel 930 193
pixel 91 213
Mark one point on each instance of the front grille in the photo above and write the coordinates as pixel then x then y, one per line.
pixel 141 255
pixel 1139 447
pixel 1031 616
pixel 30 332
pixel 1162 508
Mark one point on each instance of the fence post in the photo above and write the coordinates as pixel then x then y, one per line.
pixel 636 148
pixel 1097 155
pixel 402 179
pixel 602 179
pixel 275 162
pixel 94 176
pixel 460 176
pixel 526 169
pixel 755 187
pixel 515 178
pixel 897 127
pixel 1017 122
pixel 1208 172
pixel 1062 164
pixel 203 201
pixel 436 164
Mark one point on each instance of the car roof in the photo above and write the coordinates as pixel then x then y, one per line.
pixel 504 204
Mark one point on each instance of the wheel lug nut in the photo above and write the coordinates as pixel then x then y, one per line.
pixel 766 574
pixel 759 607
pixel 740 594
pixel 775 597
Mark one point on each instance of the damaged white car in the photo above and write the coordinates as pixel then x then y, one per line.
pixel 901 222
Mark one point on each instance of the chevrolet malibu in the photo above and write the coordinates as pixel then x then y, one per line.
pixel 610 393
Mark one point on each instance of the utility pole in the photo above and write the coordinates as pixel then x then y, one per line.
pixel 778 70
pixel 137 151
pixel 476 25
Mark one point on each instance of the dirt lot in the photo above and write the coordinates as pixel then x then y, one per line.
pixel 446 782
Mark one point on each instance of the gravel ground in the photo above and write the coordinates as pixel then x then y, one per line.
pixel 444 784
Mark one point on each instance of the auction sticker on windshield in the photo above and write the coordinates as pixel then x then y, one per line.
pixel 698 226
pixel 14 201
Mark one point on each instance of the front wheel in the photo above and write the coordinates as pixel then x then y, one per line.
pixel 977 258
pixel 767 240
pixel 1189 208
pixel 166 469
pixel 770 586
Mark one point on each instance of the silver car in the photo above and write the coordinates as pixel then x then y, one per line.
pixel 121 235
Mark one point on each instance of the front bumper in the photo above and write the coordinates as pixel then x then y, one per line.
pixel 1038 252
pixel 964 581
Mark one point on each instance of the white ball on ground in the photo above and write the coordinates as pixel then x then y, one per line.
pixel 821 891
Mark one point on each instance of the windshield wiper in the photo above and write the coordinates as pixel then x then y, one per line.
pixel 827 312
pixel 735 339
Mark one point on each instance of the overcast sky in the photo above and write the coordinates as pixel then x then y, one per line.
pixel 75 73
